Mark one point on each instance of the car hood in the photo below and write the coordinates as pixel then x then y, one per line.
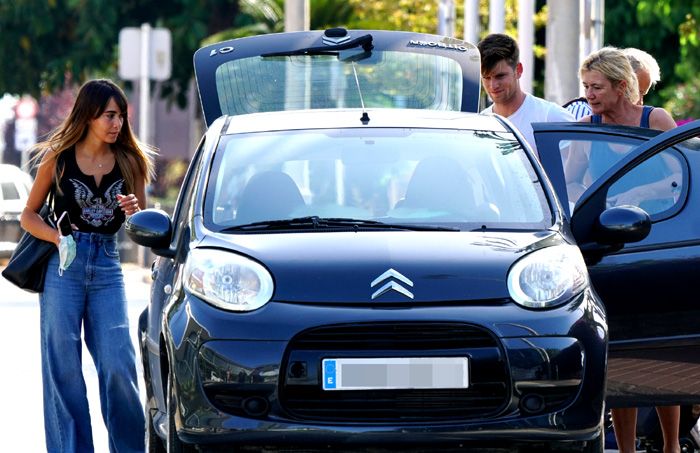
pixel 386 267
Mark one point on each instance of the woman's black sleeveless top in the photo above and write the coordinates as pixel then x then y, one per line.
pixel 92 208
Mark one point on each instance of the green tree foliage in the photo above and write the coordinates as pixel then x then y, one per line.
pixel 48 42
pixel 668 30
pixel 267 16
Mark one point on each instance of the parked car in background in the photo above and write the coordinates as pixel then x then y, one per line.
pixel 358 259
pixel 15 185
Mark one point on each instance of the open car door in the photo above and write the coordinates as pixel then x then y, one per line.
pixel 650 288
pixel 337 68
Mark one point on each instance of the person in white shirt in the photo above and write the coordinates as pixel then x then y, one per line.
pixel 501 70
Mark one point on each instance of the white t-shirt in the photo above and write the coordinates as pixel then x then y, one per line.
pixel 535 110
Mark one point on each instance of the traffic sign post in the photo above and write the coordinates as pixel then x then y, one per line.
pixel 144 55
pixel 156 41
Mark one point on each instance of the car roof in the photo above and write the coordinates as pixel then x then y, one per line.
pixel 13 172
pixel 353 118
pixel 337 68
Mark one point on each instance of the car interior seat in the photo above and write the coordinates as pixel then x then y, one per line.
pixel 269 195
pixel 439 184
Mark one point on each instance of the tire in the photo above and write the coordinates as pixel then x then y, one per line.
pixel 596 445
pixel 154 444
pixel 173 443
pixel 687 445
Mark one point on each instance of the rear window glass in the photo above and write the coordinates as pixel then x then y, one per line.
pixel 385 79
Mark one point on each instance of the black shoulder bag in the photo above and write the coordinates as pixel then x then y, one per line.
pixel 27 266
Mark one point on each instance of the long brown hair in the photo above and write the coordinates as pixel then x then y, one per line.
pixel 135 159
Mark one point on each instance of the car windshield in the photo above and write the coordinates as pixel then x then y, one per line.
pixel 451 179
pixel 383 79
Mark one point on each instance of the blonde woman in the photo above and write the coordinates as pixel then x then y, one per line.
pixel 612 91
pixel 98 172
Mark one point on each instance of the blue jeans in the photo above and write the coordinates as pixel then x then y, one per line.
pixel 90 294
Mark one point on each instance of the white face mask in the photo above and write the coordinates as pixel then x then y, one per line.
pixel 66 249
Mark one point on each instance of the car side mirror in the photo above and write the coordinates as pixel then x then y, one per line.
pixel 151 228
pixel 622 225
pixel 614 228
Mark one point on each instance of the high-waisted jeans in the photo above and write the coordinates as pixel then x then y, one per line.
pixel 89 294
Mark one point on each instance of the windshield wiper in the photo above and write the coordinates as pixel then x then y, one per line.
pixel 363 41
pixel 344 221
pixel 316 222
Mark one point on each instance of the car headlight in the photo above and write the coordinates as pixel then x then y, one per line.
pixel 227 280
pixel 548 277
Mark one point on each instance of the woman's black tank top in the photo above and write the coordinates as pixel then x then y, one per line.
pixel 92 208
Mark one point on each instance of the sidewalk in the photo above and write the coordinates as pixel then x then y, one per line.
pixel 20 384
pixel 136 273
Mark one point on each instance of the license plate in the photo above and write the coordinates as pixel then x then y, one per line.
pixel 396 373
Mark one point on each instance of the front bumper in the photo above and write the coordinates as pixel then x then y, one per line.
pixel 254 378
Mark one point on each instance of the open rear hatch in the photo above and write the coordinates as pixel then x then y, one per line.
pixel 337 68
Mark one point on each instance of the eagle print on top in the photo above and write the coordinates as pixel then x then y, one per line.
pixel 97 210
pixel 92 207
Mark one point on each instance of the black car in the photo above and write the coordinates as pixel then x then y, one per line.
pixel 357 261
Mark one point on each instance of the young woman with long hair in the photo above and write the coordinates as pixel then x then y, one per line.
pixel 98 171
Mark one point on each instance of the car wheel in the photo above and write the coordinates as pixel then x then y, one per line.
pixel 174 444
pixel 687 445
pixel 596 445
pixel 154 444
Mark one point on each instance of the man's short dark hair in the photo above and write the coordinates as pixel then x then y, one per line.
pixel 496 47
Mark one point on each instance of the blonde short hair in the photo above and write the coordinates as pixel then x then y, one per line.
pixel 616 67
pixel 642 60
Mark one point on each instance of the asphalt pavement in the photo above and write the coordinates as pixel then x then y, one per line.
pixel 21 417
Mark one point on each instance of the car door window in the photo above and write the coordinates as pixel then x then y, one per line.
pixel 182 207
pixel 655 185
pixel 9 191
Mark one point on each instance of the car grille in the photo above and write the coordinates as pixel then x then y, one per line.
pixel 304 399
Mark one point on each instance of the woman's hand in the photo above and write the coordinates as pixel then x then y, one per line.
pixel 635 196
pixel 128 203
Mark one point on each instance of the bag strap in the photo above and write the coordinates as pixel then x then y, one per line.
pixel 52 189
pixel 51 194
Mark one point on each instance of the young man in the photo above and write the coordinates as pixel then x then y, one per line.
pixel 500 75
